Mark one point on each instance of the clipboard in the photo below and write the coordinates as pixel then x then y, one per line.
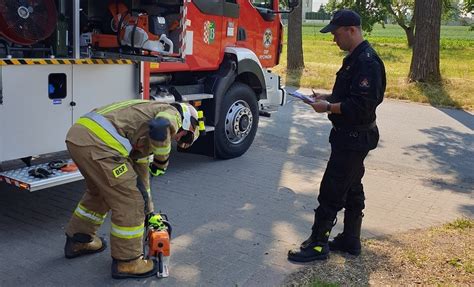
pixel 301 97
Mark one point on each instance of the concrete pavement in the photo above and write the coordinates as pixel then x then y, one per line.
pixel 234 220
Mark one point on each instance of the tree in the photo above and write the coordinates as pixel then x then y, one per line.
pixel 373 11
pixel 425 60
pixel 402 12
pixel 294 55
pixel 369 11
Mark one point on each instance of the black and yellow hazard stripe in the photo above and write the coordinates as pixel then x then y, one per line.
pixel 5 62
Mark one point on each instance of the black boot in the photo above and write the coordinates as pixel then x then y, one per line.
pixel 316 246
pixel 349 240
pixel 82 244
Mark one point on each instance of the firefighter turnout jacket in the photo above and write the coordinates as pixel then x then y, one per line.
pixel 112 147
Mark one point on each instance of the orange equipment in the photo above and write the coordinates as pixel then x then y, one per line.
pixel 157 242
pixel 132 30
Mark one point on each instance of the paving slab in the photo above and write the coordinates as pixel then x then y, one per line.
pixel 234 220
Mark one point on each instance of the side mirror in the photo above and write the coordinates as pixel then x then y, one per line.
pixel 293 3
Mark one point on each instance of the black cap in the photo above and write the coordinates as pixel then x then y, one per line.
pixel 340 18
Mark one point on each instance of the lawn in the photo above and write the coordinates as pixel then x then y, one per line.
pixel 323 58
pixel 438 256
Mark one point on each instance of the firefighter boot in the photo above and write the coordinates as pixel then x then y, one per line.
pixel 135 268
pixel 316 246
pixel 349 240
pixel 82 244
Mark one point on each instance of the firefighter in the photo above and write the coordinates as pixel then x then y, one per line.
pixel 116 147
pixel 358 90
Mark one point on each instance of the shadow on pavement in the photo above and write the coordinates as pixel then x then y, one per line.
pixel 451 153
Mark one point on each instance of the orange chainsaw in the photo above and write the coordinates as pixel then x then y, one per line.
pixel 133 29
pixel 157 242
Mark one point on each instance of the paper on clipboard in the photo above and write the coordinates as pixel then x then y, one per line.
pixel 302 97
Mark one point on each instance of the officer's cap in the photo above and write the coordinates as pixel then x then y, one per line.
pixel 342 18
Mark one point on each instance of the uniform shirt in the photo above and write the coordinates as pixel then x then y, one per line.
pixel 359 87
pixel 132 122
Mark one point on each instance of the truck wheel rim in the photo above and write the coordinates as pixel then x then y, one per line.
pixel 238 122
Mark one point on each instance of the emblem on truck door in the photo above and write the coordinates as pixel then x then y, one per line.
pixel 209 32
pixel 267 38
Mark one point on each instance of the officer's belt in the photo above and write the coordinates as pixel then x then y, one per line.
pixel 106 125
pixel 355 128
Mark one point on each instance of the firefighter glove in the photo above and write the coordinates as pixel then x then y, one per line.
pixel 155 171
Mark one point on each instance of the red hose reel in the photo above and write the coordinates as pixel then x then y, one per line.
pixel 27 22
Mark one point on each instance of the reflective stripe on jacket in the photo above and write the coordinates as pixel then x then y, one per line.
pixel 103 129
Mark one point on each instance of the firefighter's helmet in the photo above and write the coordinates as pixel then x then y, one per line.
pixel 190 123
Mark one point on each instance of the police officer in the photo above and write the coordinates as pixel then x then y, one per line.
pixel 358 90
pixel 115 147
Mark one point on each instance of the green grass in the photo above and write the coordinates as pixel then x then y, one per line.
pixel 319 283
pixel 323 58
pixel 461 224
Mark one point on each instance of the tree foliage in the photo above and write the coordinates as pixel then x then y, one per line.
pixel 401 11
pixel 369 11
pixel 468 6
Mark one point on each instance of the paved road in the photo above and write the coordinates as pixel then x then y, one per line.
pixel 234 220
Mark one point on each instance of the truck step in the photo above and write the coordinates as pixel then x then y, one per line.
pixel 196 97
pixel 20 177
pixel 209 129
pixel 185 98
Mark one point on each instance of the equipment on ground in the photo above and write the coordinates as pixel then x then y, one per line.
pixel 157 242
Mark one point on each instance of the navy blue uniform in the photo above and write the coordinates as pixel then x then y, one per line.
pixel 359 87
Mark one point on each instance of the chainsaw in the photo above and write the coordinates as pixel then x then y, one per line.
pixel 157 242
pixel 137 30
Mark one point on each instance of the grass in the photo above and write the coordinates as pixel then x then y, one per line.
pixel 442 255
pixel 323 58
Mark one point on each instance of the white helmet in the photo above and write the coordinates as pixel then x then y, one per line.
pixel 190 122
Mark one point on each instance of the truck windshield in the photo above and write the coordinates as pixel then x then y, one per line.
pixel 268 4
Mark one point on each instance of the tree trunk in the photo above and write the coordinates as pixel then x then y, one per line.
pixel 425 60
pixel 410 36
pixel 294 49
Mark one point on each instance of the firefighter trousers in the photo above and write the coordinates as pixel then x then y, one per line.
pixel 341 186
pixel 111 185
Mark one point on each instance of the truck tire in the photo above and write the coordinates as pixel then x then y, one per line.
pixel 238 122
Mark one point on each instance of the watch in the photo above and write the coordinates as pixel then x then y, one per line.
pixel 328 108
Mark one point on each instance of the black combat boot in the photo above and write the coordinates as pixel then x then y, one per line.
pixel 316 246
pixel 349 240
pixel 82 244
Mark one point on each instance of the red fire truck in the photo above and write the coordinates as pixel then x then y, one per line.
pixel 60 59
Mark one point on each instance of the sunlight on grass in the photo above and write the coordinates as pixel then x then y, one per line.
pixel 461 223
pixel 323 58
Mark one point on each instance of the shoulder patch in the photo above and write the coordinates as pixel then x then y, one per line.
pixel 364 83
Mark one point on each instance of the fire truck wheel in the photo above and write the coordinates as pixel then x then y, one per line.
pixel 238 122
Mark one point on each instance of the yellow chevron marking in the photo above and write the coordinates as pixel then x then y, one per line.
pixel 13 62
